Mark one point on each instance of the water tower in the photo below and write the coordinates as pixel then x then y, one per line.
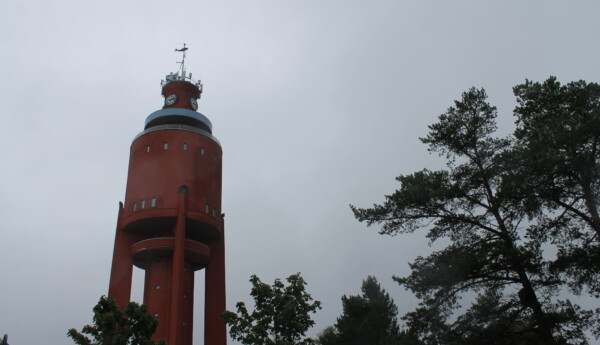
pixel 171 224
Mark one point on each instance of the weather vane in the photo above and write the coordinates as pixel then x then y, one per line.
pixel 182 62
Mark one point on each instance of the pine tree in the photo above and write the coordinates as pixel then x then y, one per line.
pixel 556 164
pixel 492 250
pixel 370 318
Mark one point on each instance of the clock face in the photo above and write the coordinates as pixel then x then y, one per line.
pixel 194 103
pixel 170 99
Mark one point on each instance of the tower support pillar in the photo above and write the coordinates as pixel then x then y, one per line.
pixel 121 271
pixel 175 321
pixel 215 332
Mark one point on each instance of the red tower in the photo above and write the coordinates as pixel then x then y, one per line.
pixel 171 223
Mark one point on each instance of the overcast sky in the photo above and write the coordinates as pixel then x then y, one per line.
pixel 317 104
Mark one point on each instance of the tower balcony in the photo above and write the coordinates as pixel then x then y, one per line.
pixel 200 226
pixel 143 252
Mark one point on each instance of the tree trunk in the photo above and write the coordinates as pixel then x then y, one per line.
pixel 590 202
pixel 527 294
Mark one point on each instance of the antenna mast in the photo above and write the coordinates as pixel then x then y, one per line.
pixel 175 77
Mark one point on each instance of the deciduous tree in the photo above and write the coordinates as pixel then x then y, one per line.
pixel 112 326
pixel 281 314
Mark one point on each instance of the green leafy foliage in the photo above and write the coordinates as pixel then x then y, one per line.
pixel 112 326
pixel 493 242
pixel 370 318
pixel 281 314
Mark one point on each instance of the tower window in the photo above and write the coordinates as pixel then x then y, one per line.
pixel 134 206
pixel 143 205
pixel 155 315
pixel 214 211
pixel 184 146
pixel 157 287
pixel 202 151
pixel 153 202
pixel 147 148
pixel 165 146
pixel 206 208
